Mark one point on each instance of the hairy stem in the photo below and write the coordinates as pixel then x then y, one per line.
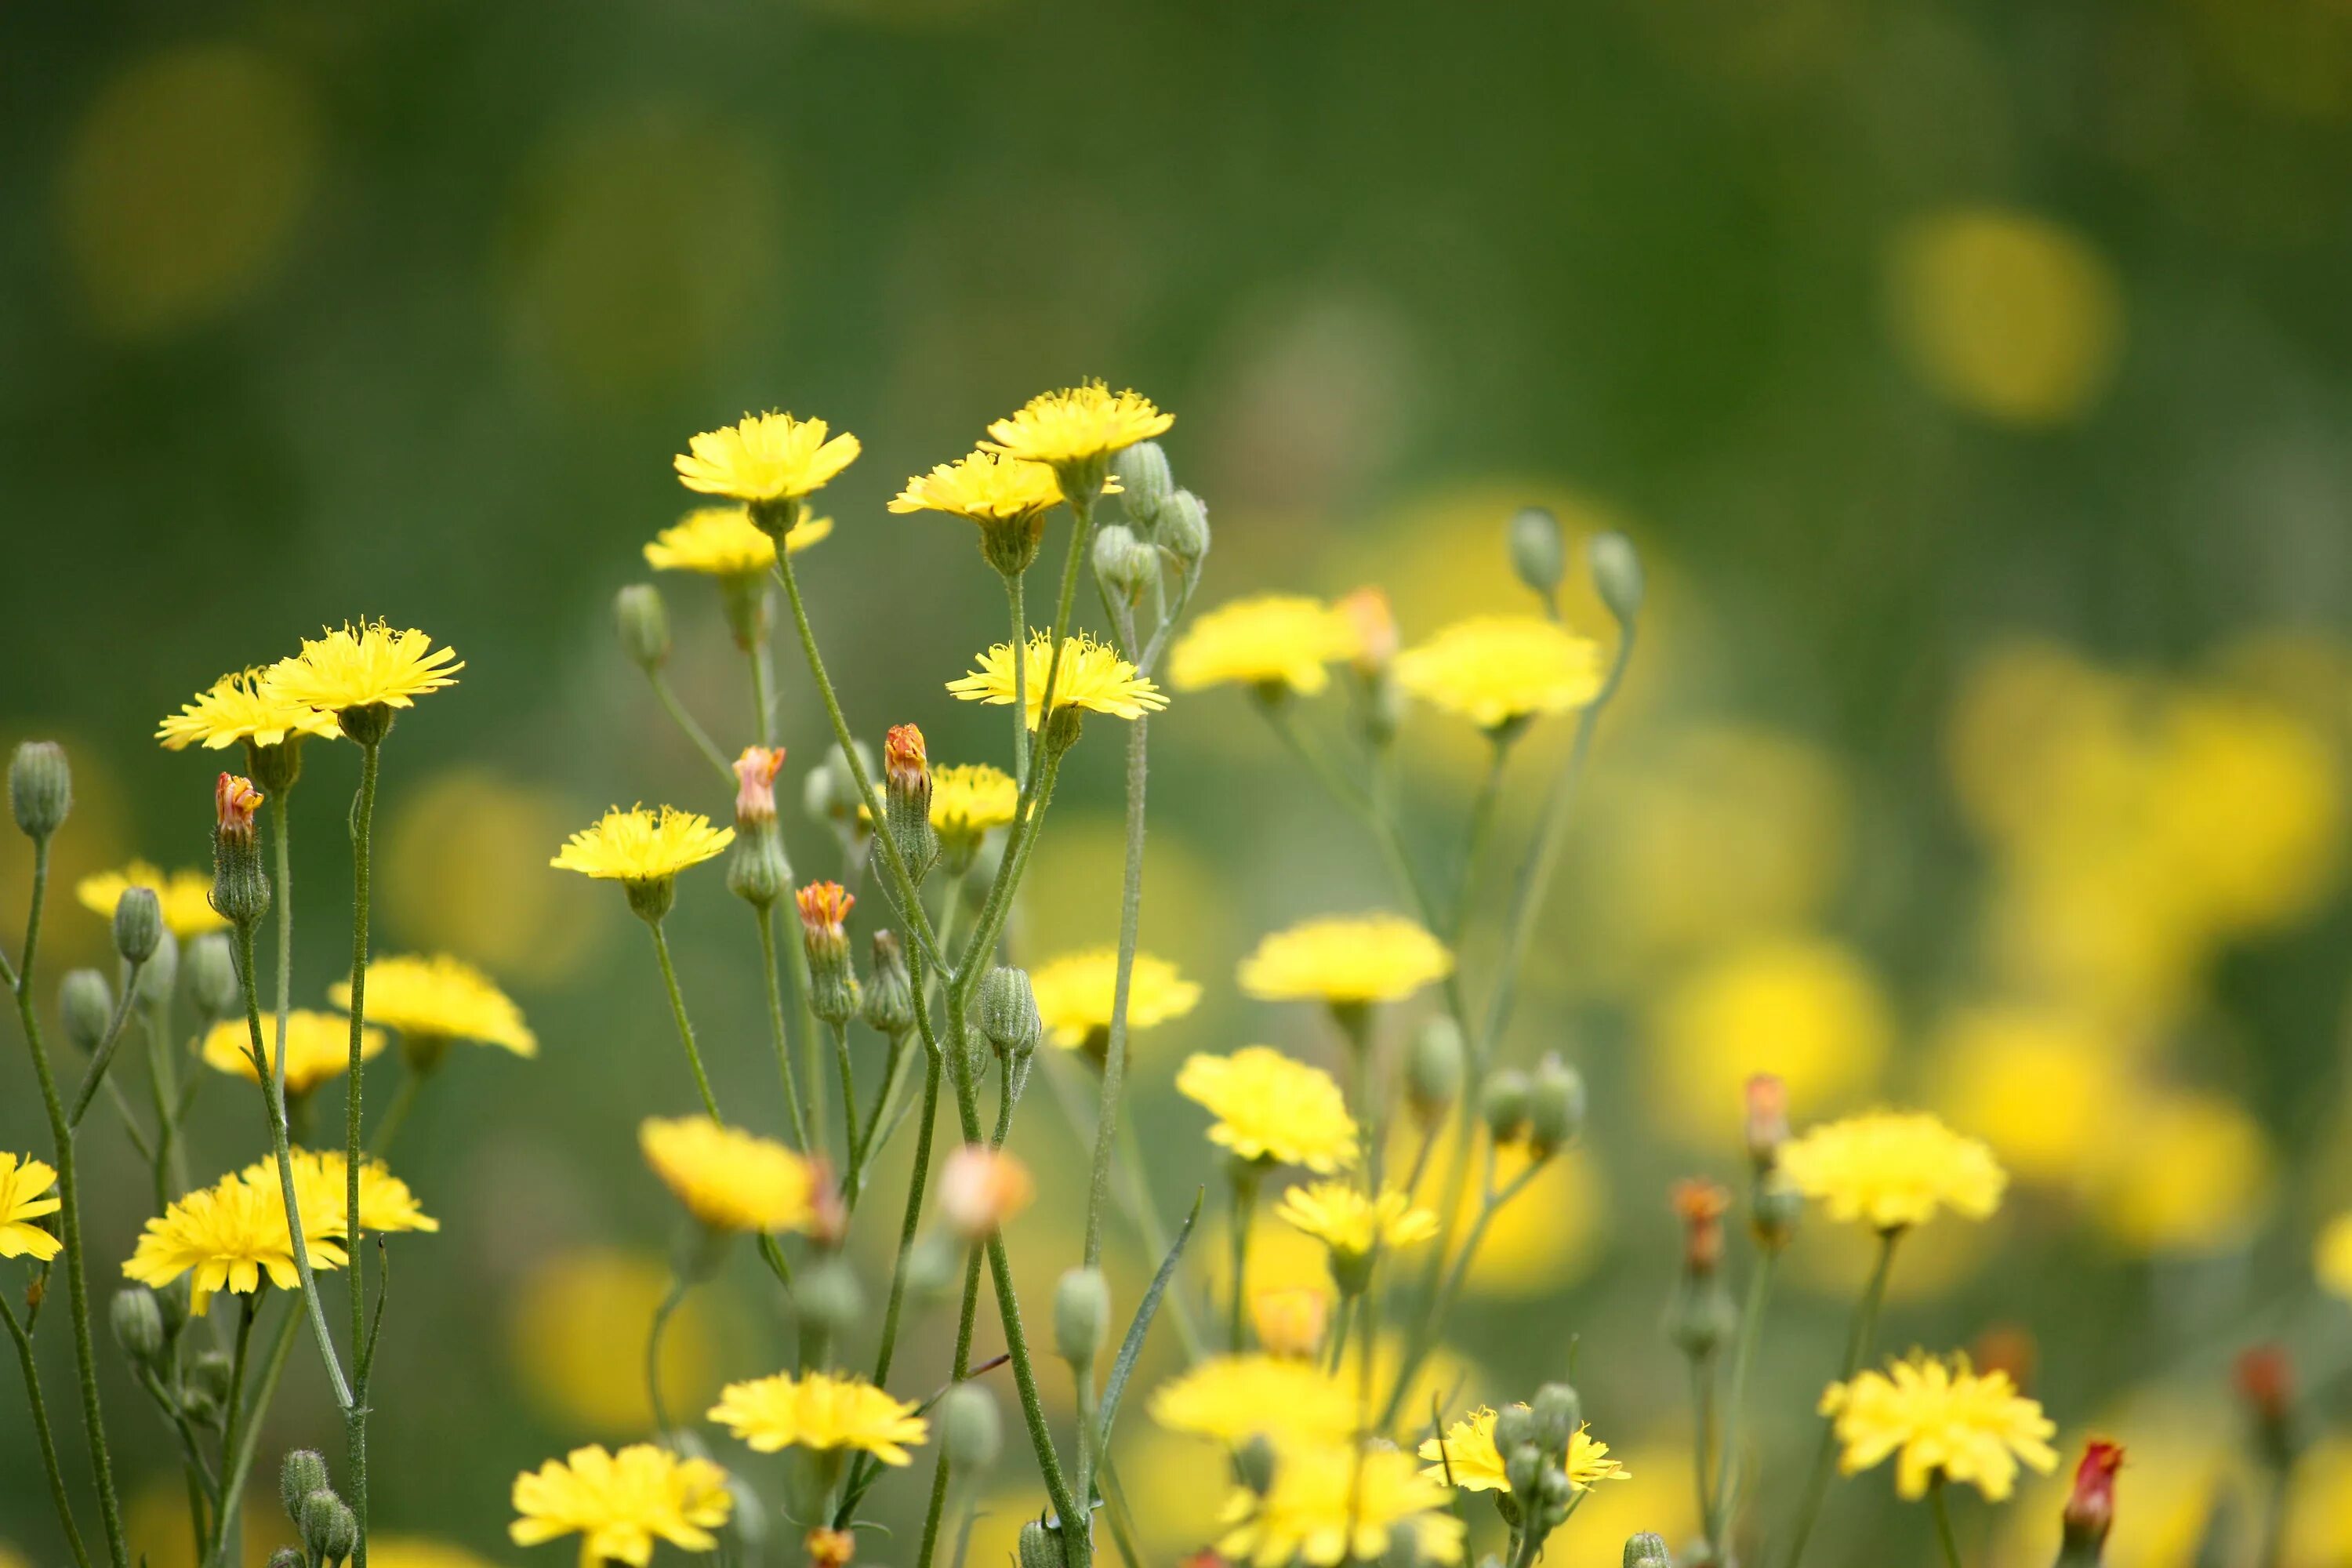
pixel 1130 909
pixel 684 1025
pixel 1859 1336
pixel 42 1432
pixel 355 1414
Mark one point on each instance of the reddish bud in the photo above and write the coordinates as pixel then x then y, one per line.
pixel 981 1188
pixel 1766 1118
pixel 830 1548
pixel 755 784
pixel 235 800
pixel 2265 1381
pixel 1368 614
pixel 903 758
pixel 1701 1204
pixel 824 908
pixel 2091 1506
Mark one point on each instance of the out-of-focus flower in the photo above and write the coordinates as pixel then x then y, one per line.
pixel 440 998
pixel 459 872
pixel 2043 1087
pixel 765 457
pixel 2194 1175
pixel 238 708
pixel 1541 1240
pixel 1291 1319
pixel 414 1551
pixel 1269 1106
pixel 1345 959
pixel 1332 1503
pixel 981 1188
pixel 641 846
pixel 1467 1454
pixel 620 1504
pixel 819 1411
pixel 1075 993
pixel 1806 1009
pixel 186 896
pixel 318 1048
pixel 1076 425
pixel 1235 1397
pixel 727 1178
pixel 723 542
pixel 2332 1257
pixel 569 1310
pixel 1351 1222
pixel 1495 670
pixel 1274 642
pixel 24 1196
pixel 1891 1169
pixel 1093 677
pixel 1940 1419
pixel 364 663
pixel 970 799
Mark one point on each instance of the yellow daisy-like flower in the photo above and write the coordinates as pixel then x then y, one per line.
pixel 729 1179
pixel 1357 958
pixel 24 1183
pixel 1093 676
pixel 1274 640
pixel 723 542
pixel 1351 1222
pixel 242 707
pixel 230 1237
pixel 364 665
pixel 986 488
pixel 318 1048
pixel 641 846
pixel 970 799
pixel 1497 669
pixel 1468 1454
pixel 2332 1257
pixel 1268 1107
pixel 620 1504
pixel 1941 1419
pixel 819 1411
pixel 1234 1398
pixel 1891 1169
pixel 323 1194
pixel 1075 992
pixel 1331 1504
pixel 187 897
pixel 1076 425
pixel 440 998
pixel 765 457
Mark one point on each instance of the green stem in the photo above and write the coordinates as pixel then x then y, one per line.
pixel 766 915
pixel 1015 593
pixel 1130 911
pixel 241 1460
pixel 233 1424
pixel 102 1058
pixel 42 1432
pixel 841 1065
pixel 1475 838
pixel 163 1089
pixel 1244 1178
pixel 1703 1437
pixel 912 1221
pixel 662 1314
pixel 1743 1361
pixel 354 1147
pixel 1940 1506
pixel 1422 1338
pixel 1859 1336
pixel 685 1026
pixel 685 722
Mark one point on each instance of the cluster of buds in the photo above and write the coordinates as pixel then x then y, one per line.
pixel 1380 706
pixel 328 1533
pixel 758 873
pixel 833 982
pixel 1544 1110
pixel 1773 1206
pixel 906 799
pixel 2091 1505
pixel 1533 1440
pixel 1702 1314
pixel 1123 564
pixel 240 888
pixel 1158 515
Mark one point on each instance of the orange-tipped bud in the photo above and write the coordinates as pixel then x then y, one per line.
pixel 825 906
pixel 1701 1203
pixel 1291 1320
pixel 833 982
pixel 2265 1381
pixel 240 892
pixel 907 798
pixel 830 1548
pixel 755 784
pixel 1368 617
pixel 981 1188
pixel 903 756
pixel 1767 1120
pixel 235 800
pixel 2091 1506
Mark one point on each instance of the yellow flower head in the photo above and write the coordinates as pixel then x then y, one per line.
pixel 619 1504
pixel 641 846
pixel 2331 1259
pixel 1291 1320
pixel 1940 1419
pixel 1092 677
pixel 227 1236
pixel 723 542
pixel 1330 1504
pixel 1496 669
pixel 318 1048
pixel 1349 959
pixel 1468 1454
pixel 242 707
pixel 1234 1398
pixel 187 897
pixel 1076 425
pixel 819 1411
pixel 1890 1169
pixel 728 1179
pixel 365 665
pixel 969 799
pixel 1274 640
pixel 765 457
pixel 24 1184
pixel 1269 1106
pixel 1075 991
pixel 440 998
pixel 985 489
pixel 1351 1222
pixel 323 1195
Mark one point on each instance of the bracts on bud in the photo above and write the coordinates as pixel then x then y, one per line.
pixel 833 983
pixel 906 799
pixel 240 888
pixel 2091 1506
pixel 758 873
pixel 1702 1314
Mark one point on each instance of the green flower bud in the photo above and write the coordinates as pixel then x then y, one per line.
pixel 1647 1550
pixel 1617 575
pixel 211 964
pixel 1524 1470
pixel 1008 1012
pixel 907 798
pixel 275 769
pixel 1081 1317
pixel 1515 1428
pixel 1702 1316
pixel 1432 1073
pixel 137 1319
pixel 287 1557
pixel 40 788
pixel 643 621
pixel 1553 1488
pixel 138 924
pixel 758 870
pixel 1126 565
pixel 160 973
pixel 240 892
pixel 829 1297
pixel 1253 1464
pixel 328 1531
pixel 1145 484
pixel 1773 1211
pixel 1505 1105
pixel 1038 1547
pixel 1538 553
pixel 304 1472
pixel 1554 1106
pixel 972 1428
pixel 934 1271
pixel 1558 1412
pixel 888 1005
pixel 208 1379
pixel 87 1006
pixel 1184 529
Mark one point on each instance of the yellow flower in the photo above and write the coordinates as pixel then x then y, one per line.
pixel 728 1179
pixel 1235 1397
pixel 1468 1453
pixel 1076 425
pixel 228 1237
pixel 318 1048
pixel 1346 959
pixel 242 707
pixel 1291 1320
pixel 440 998
pixel 969 799
pixel 2331 1259
pixel 640 845
pixel 765 457
pixel 986 488
pixel 1331 1503
pixel 187 897
pixel 819 1411
pixel 1273 640
pixel 323 1195
pixel 1092 677
pixel 1942 1420
pixel 1074 994
pixel 1269 1106
pixel 1497 669
pixel 414 1551
pixel 1351 1222
pixel 1891 1169
pixel 723 542
pixel 365 665
pixel 23 1182
pixel 620 1503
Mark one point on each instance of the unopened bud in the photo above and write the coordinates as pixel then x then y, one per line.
pixel 1647 1550
pixel 1558 1412
pixel 757 872
pixel 208 1379
pixel 1255 1462
pixel 304 1472
pixel 1008 1012
pixel 1373 627
pixel 888 1007
pixel 137 1319
pixel 211 964
pixel 833 983
pixel 1701 1206
pixel 1183 529
pixel 328 1531
pixel 1555 1107
pixel 1765 1121
pixel 1617 573
pixel 907 798
pixel 1505 1105
pixel 87 1007
pixel 828 1297
pixel 2091 1506
pixel 971 1429
pixel 1291 1320
pixel 240 888
pixel 1523 1469
pixel 1081 1317
pixel 1125 563
pixel 1515 1428
pixel 40 788
pixel 1037 1547
pixel 755 784
pixel 934 1270
pixel 138 924
pixel 1774 1210
pixel 287 1557
pixel 2265 1381
pixel 1538 553
pixel 1432 1073
pixel 981 1188
pixel 160 973
pixel 1145 483
pixel 829 1548
pixel 643 621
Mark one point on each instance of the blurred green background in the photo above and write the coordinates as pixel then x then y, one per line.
pixel 1974 377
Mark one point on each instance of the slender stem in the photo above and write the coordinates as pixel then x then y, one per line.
pixel 233 1424
pixel 869 1141
pixel 1858 1335
pixel 685 722
pixel 403 1100
pixel 1015 594
pixel 41 1431
pixel 685 1026
pixel 1130 911
pixel 766 916
pixel 841 1065
pixel 670 1301
pixel 2272 1549
pixel 912 1222
pixel 1703 1436
pixel 1245 1183
pixel 763 718
pixel 354 1146
pixel 1940 1506
pixel 1421 1336
pixel 1481 829
pixel 281 845
pixel 1743 1361
pixel 240 1462
pixel 163 1089
pixel 103 1057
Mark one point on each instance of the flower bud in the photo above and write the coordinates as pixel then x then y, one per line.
pixel 1647 1550
pixel 827 1548
pixel 981 1188
pixel 907 798
pixel 1145 484
pixel 304 1472
pixel 755 784
pixel 287 1557
pixel 2091 1506
pixel 1556 1412
pixel 160 973
pixel 2265 1381
pixel 1773 1210
pixel 1555 1107
pixel 971 1429
pixel 758 871
pixel 87 1007
pixel 643 621
pixel 1505 1105
pixel 1538 553
pixel 1523 1469
pixel 1038 1548
pixel 1184 529
pixel 1432 1073
pixel 934 1270
pixel 208 1379
pixel 137 1319
pixel 1253 1463
pixel 1291 1320
pixel 833 983
pixel 138 924
pixel 1701 1206
pixel 1617 573
pixel 1008 1012
pixel 1765 1119
pixel 888 1007
pixel 240 888
pixel 329 1533
pixel 828 1297
pixel 1125 563
pixel 1515 1428
pixel 40 788
pixel 212 975
pixel 1081 1317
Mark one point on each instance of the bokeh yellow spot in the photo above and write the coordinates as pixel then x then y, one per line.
pixel 2043 1087
pixel 465 872
pixel 414 1551
pixel 576 1329
pixel 2194 1175
pixel 1835 1260
pixel 1656 1495
pixel 155 1524
pixel 2005 314
pixel 183 183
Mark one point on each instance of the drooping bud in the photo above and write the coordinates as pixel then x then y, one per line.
pixel 1081 1317
pixel 981 1188
pixel 1617 573
pixel 304 1472
pixel 833 983
pixel 1558 1412
pixel 1538 553
pixel 2091 1507
pixel 907 798
pixel 1008 1013
pixel 87 1004
pixel 1125 563
pixel 212 975
pixel 1647 1550
pixel 1505 1105
pixel 643 621
pixel 888 1007
pixel 138 924
pixel 1145 483
pixel 1555 1107
pixel 1184 529
pixel 1432 1073
pixel 1291 1320
pixel 160 973
pixel 1766 1119
pixel 757 872
pixel 240 888
pixel 40 788
pixel 329 1532
pixel 137 1319
pixel 971 1429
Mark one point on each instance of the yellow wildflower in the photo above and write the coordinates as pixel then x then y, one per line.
pixel 765 457
pixel 728 1179
pixel 1269 1106
pixel 1075 991
pixel 819 1411
pixel 970 799
pixel 641 846
pixel 24 1184
pixel 1942 1421
pixel 1497 669
pixel 986 488
pixel 1272 642
pixel 723 542
pixel 323 1194
pixel 1331 1503
pixel 227 1236
pixel 1351 1222
pixel 187 897
pixel 1290 1321
pixel 1092 676
pixel 365 665
pixel 1078 425
pixel 318 1048
pixel 242 707
pixel 1891 1169
pixel 1468 1454
pixel 1349 959
pixel 440 998
pixel 2332 1257
pixel 620 1503
pixel 1235 1397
